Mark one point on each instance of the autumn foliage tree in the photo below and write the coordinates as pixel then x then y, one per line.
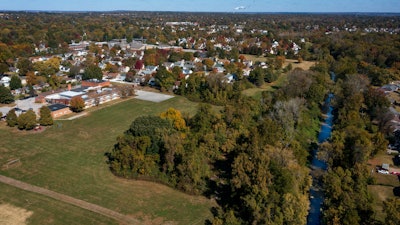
pixel 45 116
pixel 77 104
pixel 11 118
pixel 175 117
pixel 27 120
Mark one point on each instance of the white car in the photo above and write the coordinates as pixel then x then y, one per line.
pixel 383 171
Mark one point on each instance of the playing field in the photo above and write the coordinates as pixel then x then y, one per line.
pixel 69 158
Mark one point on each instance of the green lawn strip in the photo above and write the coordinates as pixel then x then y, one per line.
pixel 69 158
pixel 47 210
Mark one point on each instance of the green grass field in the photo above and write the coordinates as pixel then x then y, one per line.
pixel 48 211
pixel 69 158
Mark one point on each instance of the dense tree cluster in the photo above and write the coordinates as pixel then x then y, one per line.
pixel 28 120
pixel 251 157
pixel 356 138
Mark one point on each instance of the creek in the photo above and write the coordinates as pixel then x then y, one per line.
pixel 318 167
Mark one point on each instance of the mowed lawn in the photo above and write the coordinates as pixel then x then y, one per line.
pixel 46 210
pixel 69 158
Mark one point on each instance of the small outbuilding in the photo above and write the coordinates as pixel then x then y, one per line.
pixel 385 166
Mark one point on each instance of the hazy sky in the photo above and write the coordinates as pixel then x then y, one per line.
pixel 207 5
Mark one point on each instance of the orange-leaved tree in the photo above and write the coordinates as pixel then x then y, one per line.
pixel 77 104
pixel 176 119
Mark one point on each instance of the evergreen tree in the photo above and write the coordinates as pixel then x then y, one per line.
pixel 45 116
pixel 5 95
pixel 92 72
pixel 15 82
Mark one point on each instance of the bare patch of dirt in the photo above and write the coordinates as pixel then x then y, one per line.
pixel 12 215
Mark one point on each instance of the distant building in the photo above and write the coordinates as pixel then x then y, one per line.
pixel 95 83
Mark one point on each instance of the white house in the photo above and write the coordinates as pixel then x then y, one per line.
pixel 5 81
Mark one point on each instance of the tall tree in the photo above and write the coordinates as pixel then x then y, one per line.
pixel 12 118
pixel 77 104
pixel 165 79
pixel 31 78
pixel 5 95
pixel 92 72
pixel 392 209
pixel 175 117
pixel 27 120
pixel 15 82
pixel 24 65
pixel 45 116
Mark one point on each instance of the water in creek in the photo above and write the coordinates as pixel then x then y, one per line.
pixel 317 166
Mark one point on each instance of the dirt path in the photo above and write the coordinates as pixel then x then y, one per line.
pixel 70 200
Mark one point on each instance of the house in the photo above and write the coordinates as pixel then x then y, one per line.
pixel 389 88
pixel 5 81
pixel 58 110
pixel 229 78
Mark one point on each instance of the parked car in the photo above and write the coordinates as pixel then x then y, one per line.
pixel 383 171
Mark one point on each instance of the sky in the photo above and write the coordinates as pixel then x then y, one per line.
pixel 391 6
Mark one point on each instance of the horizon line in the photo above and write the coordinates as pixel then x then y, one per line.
pixel 235 12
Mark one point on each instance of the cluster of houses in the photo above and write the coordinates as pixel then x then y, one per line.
pixel 392 92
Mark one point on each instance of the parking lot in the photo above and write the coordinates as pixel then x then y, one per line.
pixel 151 96
pixel 22 105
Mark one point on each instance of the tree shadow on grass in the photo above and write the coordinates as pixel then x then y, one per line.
pixel 396 160
pixel 396 191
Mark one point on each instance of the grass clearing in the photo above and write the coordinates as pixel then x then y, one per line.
pixel 305 65
pixel 69 158
pixel 380 194
pixel 257 91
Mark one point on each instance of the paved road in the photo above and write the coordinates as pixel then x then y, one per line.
pixel 70 200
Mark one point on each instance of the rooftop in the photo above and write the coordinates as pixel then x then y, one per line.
pixel 55 107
